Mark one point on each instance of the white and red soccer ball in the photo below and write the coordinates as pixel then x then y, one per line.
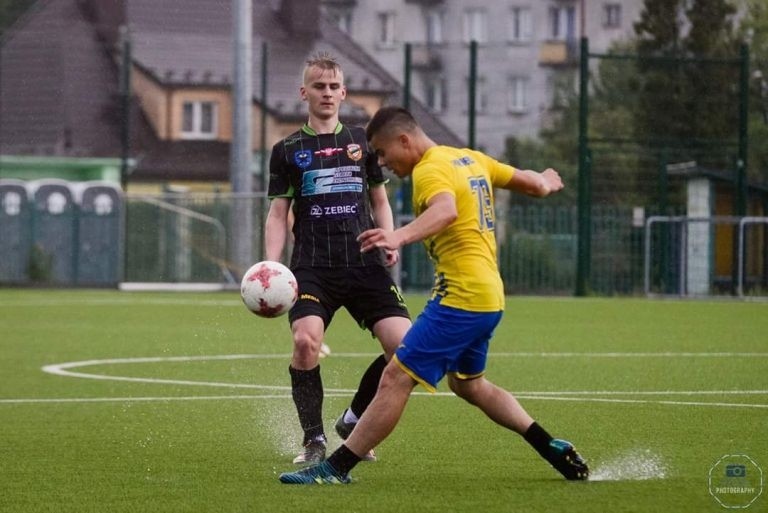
pixel 269 289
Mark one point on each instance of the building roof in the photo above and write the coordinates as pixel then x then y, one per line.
pixel 59 86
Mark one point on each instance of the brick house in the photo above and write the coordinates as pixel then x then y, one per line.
pixel 60 101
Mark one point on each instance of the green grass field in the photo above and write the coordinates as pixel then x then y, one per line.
pixel 178 402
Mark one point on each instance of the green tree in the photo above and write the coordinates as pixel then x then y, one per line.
pixel 658 29
pixel 654 109
pixel 754 30
pixel 689 96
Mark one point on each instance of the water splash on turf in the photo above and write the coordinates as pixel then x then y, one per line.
pixel 277 424
pixel 632 465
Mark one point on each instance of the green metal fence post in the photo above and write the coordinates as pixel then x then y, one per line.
pixel 584 192
pixel 472 110
pixel 741 169
pixel 740 185
pixel 668 281
pixel 408 259
pixel 407 76
pixel 405 184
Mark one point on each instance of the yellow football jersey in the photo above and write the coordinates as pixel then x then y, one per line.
pixel 464 253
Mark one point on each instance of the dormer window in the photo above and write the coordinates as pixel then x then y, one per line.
pixel 199 120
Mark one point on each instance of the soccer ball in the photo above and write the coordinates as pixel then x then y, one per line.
pixel 269 289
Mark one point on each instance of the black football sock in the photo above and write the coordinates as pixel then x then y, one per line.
pixel 539 439
pixel 343 460
pixel 369 383
pixel 307 391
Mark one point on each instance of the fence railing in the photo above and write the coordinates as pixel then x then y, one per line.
pixel 706 256
pixel 187 238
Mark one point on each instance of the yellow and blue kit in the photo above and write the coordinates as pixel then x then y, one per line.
pixel 467 301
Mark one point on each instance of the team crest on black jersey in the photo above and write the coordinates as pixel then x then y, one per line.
pixel 354 152
pixel 303 158
pixel 328 152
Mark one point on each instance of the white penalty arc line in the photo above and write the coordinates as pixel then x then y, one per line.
pixel 62 369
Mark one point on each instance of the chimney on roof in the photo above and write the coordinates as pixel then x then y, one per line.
pixel 301 17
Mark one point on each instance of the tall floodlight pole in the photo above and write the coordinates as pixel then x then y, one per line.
pixel 240 168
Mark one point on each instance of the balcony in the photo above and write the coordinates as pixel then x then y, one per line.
pixel 426 57
pixel 559 53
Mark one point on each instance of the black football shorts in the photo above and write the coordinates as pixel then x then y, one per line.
pixel 368 293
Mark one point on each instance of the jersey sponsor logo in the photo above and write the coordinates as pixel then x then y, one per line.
pixel 463 161
pixel 336 211
pixel 336 179
pixel 303 158
pixel 354 152
pixel 328 152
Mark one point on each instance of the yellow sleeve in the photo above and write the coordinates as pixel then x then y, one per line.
pixel 499 172
pixel 429 180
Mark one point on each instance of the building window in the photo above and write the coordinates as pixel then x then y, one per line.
pixel 344 21
pixel 612 15
pixel 562 23
pixel 434 20
pixel 386 28
pixel 517 94
pixel 475 25
pixel 436 95
pixel 481 96
pixel 199 120
pixel 520 28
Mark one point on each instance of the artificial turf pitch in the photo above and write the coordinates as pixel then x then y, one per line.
pixel 178 402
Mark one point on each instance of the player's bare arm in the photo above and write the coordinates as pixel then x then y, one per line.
pixel 382 215
pixel 441 212
pixel 276 228
pixel 533 183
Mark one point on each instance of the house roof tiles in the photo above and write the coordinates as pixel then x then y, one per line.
pixel 59 86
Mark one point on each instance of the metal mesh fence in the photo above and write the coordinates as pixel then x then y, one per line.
pixel 187 238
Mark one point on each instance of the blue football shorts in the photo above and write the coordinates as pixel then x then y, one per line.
pixel 445 339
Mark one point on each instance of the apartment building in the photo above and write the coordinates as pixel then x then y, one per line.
pixel 524 48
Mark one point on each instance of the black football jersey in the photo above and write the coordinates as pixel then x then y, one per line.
pixel 328 177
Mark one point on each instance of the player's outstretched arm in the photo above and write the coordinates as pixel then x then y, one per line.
pixel 534 183
pixel 441 211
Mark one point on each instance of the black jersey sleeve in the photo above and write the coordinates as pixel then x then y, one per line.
pixel 374 172
pixel 279 177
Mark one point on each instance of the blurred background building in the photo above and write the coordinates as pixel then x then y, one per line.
pixel 525 48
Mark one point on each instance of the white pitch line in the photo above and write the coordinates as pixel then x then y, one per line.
pixel 646 392
pixel 287 396
pixel 639 401
pixel 635 355
pixel 62 369
pixel 115 301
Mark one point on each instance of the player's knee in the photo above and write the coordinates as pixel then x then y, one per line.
pixel 467 389
pixel 306 345
pixel 394 377
pixel 390 332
